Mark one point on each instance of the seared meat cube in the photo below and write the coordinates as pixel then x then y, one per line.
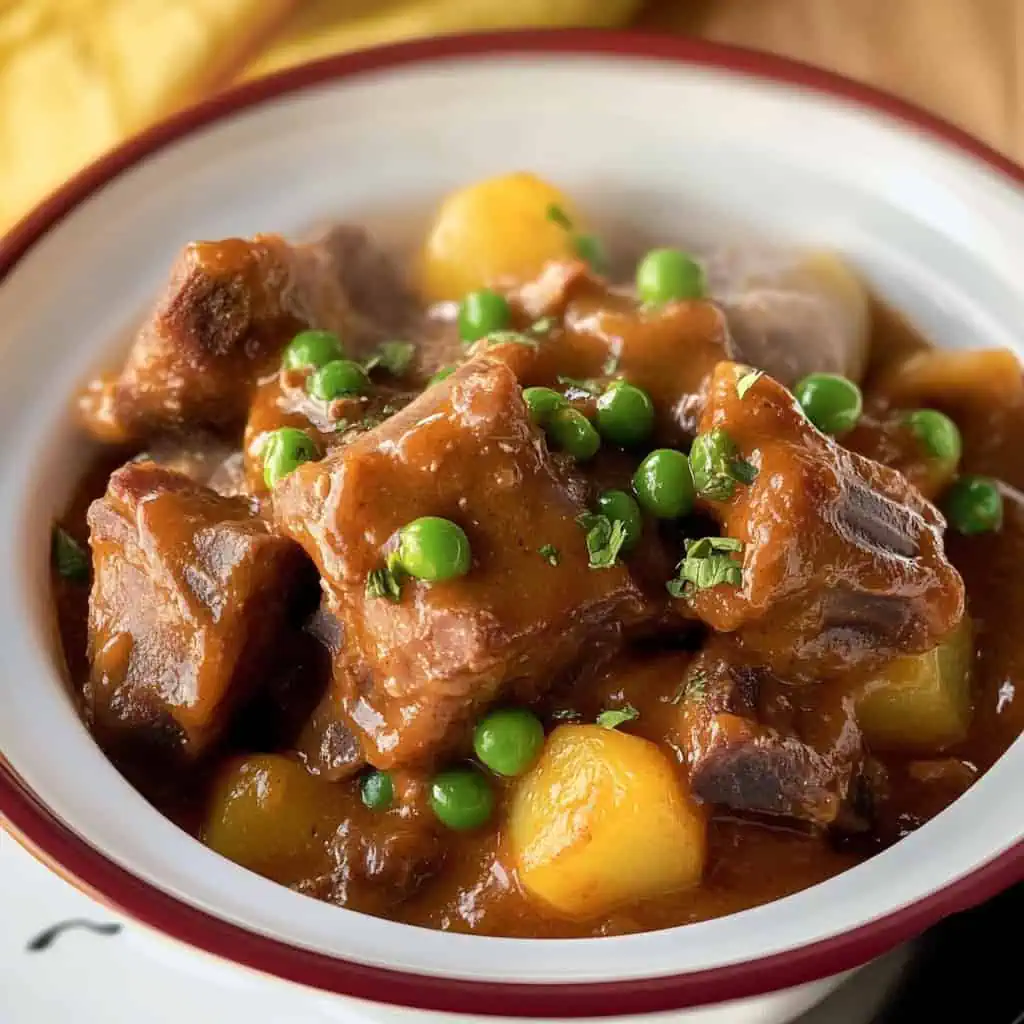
pixel 738 761
pixel 412 673
pixel 668 350
pixel 373 283
pixel 204 460
pixel 190 590
pixel 842 559
pixel 229 309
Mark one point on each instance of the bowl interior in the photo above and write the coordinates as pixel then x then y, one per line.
pixel 657 153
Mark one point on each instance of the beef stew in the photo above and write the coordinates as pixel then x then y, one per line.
pixel 488 594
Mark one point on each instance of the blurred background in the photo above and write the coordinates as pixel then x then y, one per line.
pixel 79 76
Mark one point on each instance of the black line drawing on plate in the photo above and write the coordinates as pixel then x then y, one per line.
pixel 45 939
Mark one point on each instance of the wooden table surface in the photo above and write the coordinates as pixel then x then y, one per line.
pixel 961 59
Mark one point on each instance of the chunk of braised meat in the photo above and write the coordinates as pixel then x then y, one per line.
pixel 190 590
pixel 227 312
pixel 842 559
pixel 739 758
pixel 205 460
pixel 668 350
pixel 376 290
pixel 412 673
pixel 792 312
pixel 381 860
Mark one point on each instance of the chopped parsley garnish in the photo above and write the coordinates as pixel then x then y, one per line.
pixel 716 465
pixel 614 717
pixel 393 356
pixel 745 472
pixel 565 715
pixel 68 557
pixel 587 247
pixel 747 381
pixel 708 563
pixel 591 251
pixel 558 216
pixel 340 426
pixel 375 419
pixel 384 583
pixel 549 553
pixel 696 686
pixel 588 387
pixel 543 325
pixel 692 688
pixel 443 374
pixel 605 538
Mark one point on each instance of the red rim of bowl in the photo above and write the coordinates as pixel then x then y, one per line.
pixel 68 853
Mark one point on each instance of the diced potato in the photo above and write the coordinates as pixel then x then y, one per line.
pixel 921 702
pixel 603 818
pixel 957 380
pixel 496 229
pixel 268 814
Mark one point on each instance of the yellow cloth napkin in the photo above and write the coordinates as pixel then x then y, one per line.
pixel 78 76
pixel 324 27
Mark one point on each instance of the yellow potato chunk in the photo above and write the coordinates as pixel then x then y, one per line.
pixel 959 380
pixel 603 819
pixel 921 702
pixel 495 230
pixel 268 814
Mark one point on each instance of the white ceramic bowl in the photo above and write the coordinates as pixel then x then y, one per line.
pixel 675 139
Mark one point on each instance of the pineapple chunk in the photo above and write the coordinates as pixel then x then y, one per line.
pixel 603 819
pixel 921 702
pixel 496 230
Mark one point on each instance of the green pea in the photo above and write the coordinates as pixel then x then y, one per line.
pixel 337 378
pixel 509 740
pixel 431 548
pixel 623 507
pixel 625 414
pixel 831 402
pixel 663 484
pixel 481 313
pixel 542 402
pixel 573 433
pixel 665 275
pixel 285 450
pixel 377 791
pixel 938 434
pixel 974 504
pixel 312 348
pixel 461 798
